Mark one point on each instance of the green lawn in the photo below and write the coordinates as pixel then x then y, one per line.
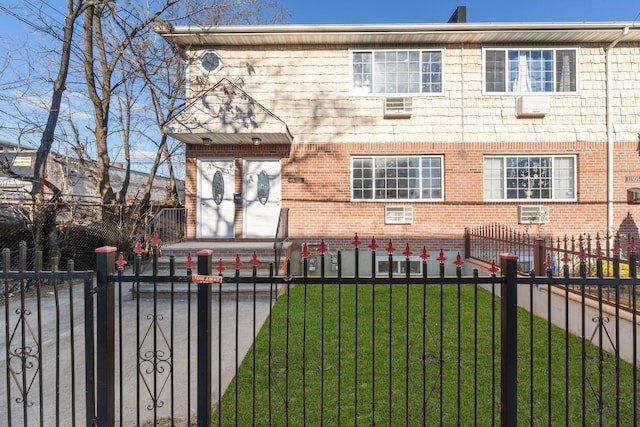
pixel 370 360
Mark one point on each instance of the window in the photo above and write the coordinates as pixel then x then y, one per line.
pixel 211 61
pixel 397 178
pixel 396 72
pixel 530 70
pixel 398 265
pixel 529 178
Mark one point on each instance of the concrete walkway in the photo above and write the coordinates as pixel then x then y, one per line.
pixel 169 325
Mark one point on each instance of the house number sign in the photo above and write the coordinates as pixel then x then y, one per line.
pixel 218 187
pixel 263 187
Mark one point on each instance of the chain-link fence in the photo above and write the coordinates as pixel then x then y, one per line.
pixel 71 230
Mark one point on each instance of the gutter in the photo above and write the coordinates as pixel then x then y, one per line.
pixel 609 125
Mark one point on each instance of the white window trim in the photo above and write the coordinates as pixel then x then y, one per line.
pixel 534 201
pixel 518 94
pixel 201 56
pixel 374 200
pixel 395 95
pixel 400 261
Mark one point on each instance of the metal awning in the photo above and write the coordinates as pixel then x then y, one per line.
pixel 225 114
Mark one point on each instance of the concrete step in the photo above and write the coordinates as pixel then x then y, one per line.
pixel 244 249
pixel 225 251
pixel 225 290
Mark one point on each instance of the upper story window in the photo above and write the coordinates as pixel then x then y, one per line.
pixel 530 178
pixel 397 178
pixel 211 61
pixel 530 70
pixel 397 72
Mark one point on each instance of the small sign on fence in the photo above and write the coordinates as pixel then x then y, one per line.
pixel 199 278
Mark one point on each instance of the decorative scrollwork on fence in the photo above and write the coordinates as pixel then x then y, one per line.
pixel 601 364
pixel 24 359
pixel 155 365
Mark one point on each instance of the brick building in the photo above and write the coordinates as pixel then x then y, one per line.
pixel 410 131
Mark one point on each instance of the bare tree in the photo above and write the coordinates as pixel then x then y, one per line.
pixel 123 57
pixel 109 30
pixel 134 82
pixel 74 11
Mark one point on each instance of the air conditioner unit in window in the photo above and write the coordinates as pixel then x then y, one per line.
pixel 533 214
pixel 398 215
pixel 532 106
pixel 397 107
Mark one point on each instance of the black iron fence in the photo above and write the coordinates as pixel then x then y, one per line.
pixel 46 339
pixel 538 255
pixel 217 344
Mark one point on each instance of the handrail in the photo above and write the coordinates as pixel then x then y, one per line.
pixel 170 224
pixel 282 234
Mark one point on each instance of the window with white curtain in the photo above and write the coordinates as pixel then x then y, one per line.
pixel 397 72
pixel 530 70
pixel 530 178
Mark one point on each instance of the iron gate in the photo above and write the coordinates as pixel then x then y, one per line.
pixel 396 348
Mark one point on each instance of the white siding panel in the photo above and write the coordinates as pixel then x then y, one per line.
pixel 309 90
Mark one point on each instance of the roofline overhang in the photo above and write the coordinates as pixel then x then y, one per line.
pixel 238 35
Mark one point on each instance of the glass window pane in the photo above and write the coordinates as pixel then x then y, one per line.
pixel 566 71
pixel 564 172
pixel 494 71
pixel 362 72
pixel 361 178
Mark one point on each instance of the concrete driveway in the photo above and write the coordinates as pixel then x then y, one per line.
pixel 158 340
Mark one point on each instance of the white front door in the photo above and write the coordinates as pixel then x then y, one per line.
pixel 215 198
pixel 262 197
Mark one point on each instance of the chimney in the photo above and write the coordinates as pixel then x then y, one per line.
pixel 459 15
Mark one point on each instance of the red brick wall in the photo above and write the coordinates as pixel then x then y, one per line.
pixel 316 189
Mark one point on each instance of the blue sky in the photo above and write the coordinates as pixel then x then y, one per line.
pixel 412 11
pixel 425 11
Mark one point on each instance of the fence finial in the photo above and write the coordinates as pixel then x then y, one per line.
pixel 407 251
pixel 373 244
pixel 598 250
pixel 237 264
pixel 390 247
pixel 155 241
pixel 356 241
pixel 305 251
pixel 494 267
pixel 458 262
pixel 138 249
pixel 121 262
pixel 255 261
pixel 220 266
pixel 189 262
pixel 548 262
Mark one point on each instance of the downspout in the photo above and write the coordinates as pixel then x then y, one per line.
pixel 609 125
